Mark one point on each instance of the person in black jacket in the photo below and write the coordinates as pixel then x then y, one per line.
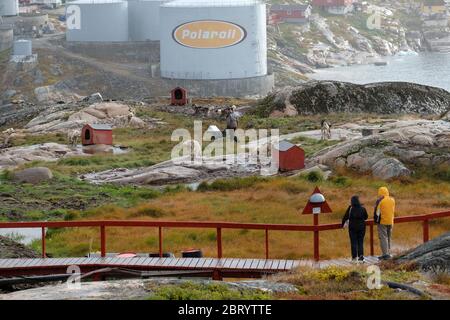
pixel 356 216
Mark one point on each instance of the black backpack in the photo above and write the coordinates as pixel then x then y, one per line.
pixel 377 217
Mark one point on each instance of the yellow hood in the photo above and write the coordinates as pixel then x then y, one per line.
pixel 383 192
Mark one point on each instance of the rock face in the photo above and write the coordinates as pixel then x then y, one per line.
pixel 135 289
pixel 170 172
pixel 33 175
pixel 433 255
pixel 388 153
pixel 10 249
pixel 13 157
pixel 333 96
pixel 63 119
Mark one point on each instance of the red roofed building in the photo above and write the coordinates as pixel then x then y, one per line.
pixel 288 156
pixel 291 13
pixel 334 6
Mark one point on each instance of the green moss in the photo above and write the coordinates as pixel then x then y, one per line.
pixel 211 291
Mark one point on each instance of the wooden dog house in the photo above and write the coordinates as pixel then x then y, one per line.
pixel 289 156
pixel 178 96
pixel 96 134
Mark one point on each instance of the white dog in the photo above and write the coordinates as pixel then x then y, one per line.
pixel 326 130
pixel 73 137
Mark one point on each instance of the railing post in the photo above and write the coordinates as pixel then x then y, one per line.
pixel 426 230
pixel 372 249
pixel 103 241
pixel 44 254
pixel 267 244
pixel 160 242
pixel 316 238
pixel 219 243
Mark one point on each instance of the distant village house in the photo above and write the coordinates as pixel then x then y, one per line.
pixel 290 13
pixel 433 7
pixel 334 6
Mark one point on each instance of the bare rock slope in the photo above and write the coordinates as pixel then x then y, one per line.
pixel 333 96
pixel 394 151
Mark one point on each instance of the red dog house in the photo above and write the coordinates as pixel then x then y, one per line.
pixel 178 96
pixel 289 156
pixel 96 134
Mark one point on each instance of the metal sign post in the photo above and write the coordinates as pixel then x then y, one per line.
pixel 315 206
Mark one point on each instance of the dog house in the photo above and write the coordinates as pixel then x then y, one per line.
pixel 288 156
pixel 178 96
pixel 96 134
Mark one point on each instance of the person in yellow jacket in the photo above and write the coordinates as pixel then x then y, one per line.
pixel 384 218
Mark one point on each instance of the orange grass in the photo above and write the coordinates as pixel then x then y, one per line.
pixel 279 200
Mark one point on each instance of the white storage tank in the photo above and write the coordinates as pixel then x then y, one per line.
pixel 213 39
pixel 143 19
pixel 22 48
pixel 97 21
pixel 9 7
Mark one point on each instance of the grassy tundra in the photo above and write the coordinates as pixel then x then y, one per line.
pixel 258 200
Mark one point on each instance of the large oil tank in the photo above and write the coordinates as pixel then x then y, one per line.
pixel 213 39
pixel 9 7
pixel 6 37
pixel 22 48
pixel 143 19
pixel 97 21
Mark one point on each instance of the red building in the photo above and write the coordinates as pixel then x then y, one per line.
pixel 289 156
pixel 178 96
pixel 292 13
pixel 96 134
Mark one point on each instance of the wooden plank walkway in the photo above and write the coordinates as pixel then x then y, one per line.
pixel 231 267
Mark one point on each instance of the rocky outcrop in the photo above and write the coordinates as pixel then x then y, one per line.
pixel 136 289
pixel 394 150
pixel 33 175
pixel 180 171
pixel 333 96
pixel 433 255
pixel 10 249
pixel 13 157
pixel 63 119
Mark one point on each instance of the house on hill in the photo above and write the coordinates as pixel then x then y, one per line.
pixel 291 13
pixel 433 7
pixel 334 6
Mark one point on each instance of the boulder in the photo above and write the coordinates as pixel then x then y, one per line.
pixel 390 168
pixel 33 175
pixel 93 98
pixel 314 97
pixel 432 255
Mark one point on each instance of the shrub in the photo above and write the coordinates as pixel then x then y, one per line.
pixel 71 215
pixel 314 176
pixel 230 184
pixel 209 291
pixel 341 181
pixel 149 212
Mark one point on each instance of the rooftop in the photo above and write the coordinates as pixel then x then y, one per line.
pixel 98 126
pixel 284 145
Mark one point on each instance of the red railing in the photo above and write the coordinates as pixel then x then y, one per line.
pixel 316 229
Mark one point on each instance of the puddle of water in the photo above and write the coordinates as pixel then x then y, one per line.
pixel 102 149
pixel 22 235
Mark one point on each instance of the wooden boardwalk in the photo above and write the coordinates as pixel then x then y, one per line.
pixel 218 268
